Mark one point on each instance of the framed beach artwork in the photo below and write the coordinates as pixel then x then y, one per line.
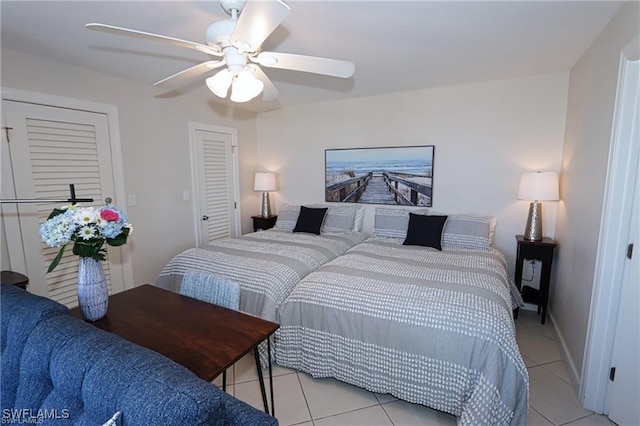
pixel 395 175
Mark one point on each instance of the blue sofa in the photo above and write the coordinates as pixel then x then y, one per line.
pixel 58 369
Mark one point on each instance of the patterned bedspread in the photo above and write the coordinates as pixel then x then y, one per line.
pixel 266 264
pixel 429 327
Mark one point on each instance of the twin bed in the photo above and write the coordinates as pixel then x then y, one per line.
pixel 429 326
pixel 267 265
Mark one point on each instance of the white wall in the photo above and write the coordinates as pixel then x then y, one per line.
pixel 484 134
pixel 155 147
pixel 592 91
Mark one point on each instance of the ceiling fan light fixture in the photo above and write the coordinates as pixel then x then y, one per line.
pixel 235 41
pixel 219 84
pixel 245 87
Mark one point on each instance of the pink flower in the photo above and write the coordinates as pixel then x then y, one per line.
pixel 109 215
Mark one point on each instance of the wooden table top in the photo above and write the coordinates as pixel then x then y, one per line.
pixel 205 338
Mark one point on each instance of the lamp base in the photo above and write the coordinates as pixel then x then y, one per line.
pixel 533 231
pixel 266 205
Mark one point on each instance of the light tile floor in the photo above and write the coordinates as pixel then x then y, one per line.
pixel 303 400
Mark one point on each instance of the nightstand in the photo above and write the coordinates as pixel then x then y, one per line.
pixel 536 250
pixel 263 223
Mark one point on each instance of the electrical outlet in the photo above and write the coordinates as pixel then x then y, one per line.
pixel 132 200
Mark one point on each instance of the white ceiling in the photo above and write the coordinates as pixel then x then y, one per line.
pixel 395 45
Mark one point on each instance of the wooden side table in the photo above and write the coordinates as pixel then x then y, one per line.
pixel 207 339
pixel 264 223
pixel 537 250
pixel 15 278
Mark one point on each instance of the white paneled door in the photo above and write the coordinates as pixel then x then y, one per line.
pixel 215 182
pixel 625 388
pixel 50 148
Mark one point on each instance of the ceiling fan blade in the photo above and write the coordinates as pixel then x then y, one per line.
pixel 289 61
pixel 257 21
pixel 190 73
pixel 209 50
pixel 270 92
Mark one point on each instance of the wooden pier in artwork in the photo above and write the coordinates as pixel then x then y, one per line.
pixel 380 187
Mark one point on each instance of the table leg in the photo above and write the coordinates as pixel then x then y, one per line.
pixel 273 406
pixel 545 277
pixel 261 377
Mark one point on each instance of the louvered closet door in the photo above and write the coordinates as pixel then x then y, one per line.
pixel 51 148
pixel 216 185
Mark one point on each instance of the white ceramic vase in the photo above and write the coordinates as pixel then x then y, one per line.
pixel 93 292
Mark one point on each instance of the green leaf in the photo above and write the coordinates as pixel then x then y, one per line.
pixel 100 255
pixel 87 248
pixel 56 212
pixel 56 260
pixel 120 239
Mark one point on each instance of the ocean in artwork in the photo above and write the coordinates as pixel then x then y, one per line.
pixel 357 162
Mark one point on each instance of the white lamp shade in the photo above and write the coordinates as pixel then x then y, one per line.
pixel 219 84
pixel 245 87
pixel 264 182
pixel 539 186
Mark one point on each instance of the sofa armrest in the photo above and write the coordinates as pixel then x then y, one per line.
pixel 20 312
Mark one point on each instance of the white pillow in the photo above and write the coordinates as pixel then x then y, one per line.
pixel 357 223
pixel 493 221
pixel 287 217
pixel 466 231
pixel 343 217
pixel 340 217
pixel 113 421
pixel 392 222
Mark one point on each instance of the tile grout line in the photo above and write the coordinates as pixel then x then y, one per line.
pixel 545 366
pixel 542 415
pixel 557 375
pixel 385 411
pixel 304 395
pixel 353 411
pixel 579 418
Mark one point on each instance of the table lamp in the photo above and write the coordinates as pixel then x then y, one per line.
pixel 265 182
pixel 536 187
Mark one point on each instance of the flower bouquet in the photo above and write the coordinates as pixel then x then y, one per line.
pixel 89 228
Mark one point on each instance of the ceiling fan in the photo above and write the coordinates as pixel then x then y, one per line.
pixel 236 44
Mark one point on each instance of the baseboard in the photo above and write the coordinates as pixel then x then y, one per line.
pixel 568 361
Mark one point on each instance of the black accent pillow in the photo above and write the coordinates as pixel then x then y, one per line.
pixel 425 231
pixel 310 220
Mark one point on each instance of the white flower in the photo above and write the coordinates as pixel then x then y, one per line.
pixel 58 230
pixel 87 232
pixel 87 215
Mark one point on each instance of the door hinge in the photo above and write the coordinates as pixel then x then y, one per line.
pixel 630 251
pixel 235 205
pixel 612 374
